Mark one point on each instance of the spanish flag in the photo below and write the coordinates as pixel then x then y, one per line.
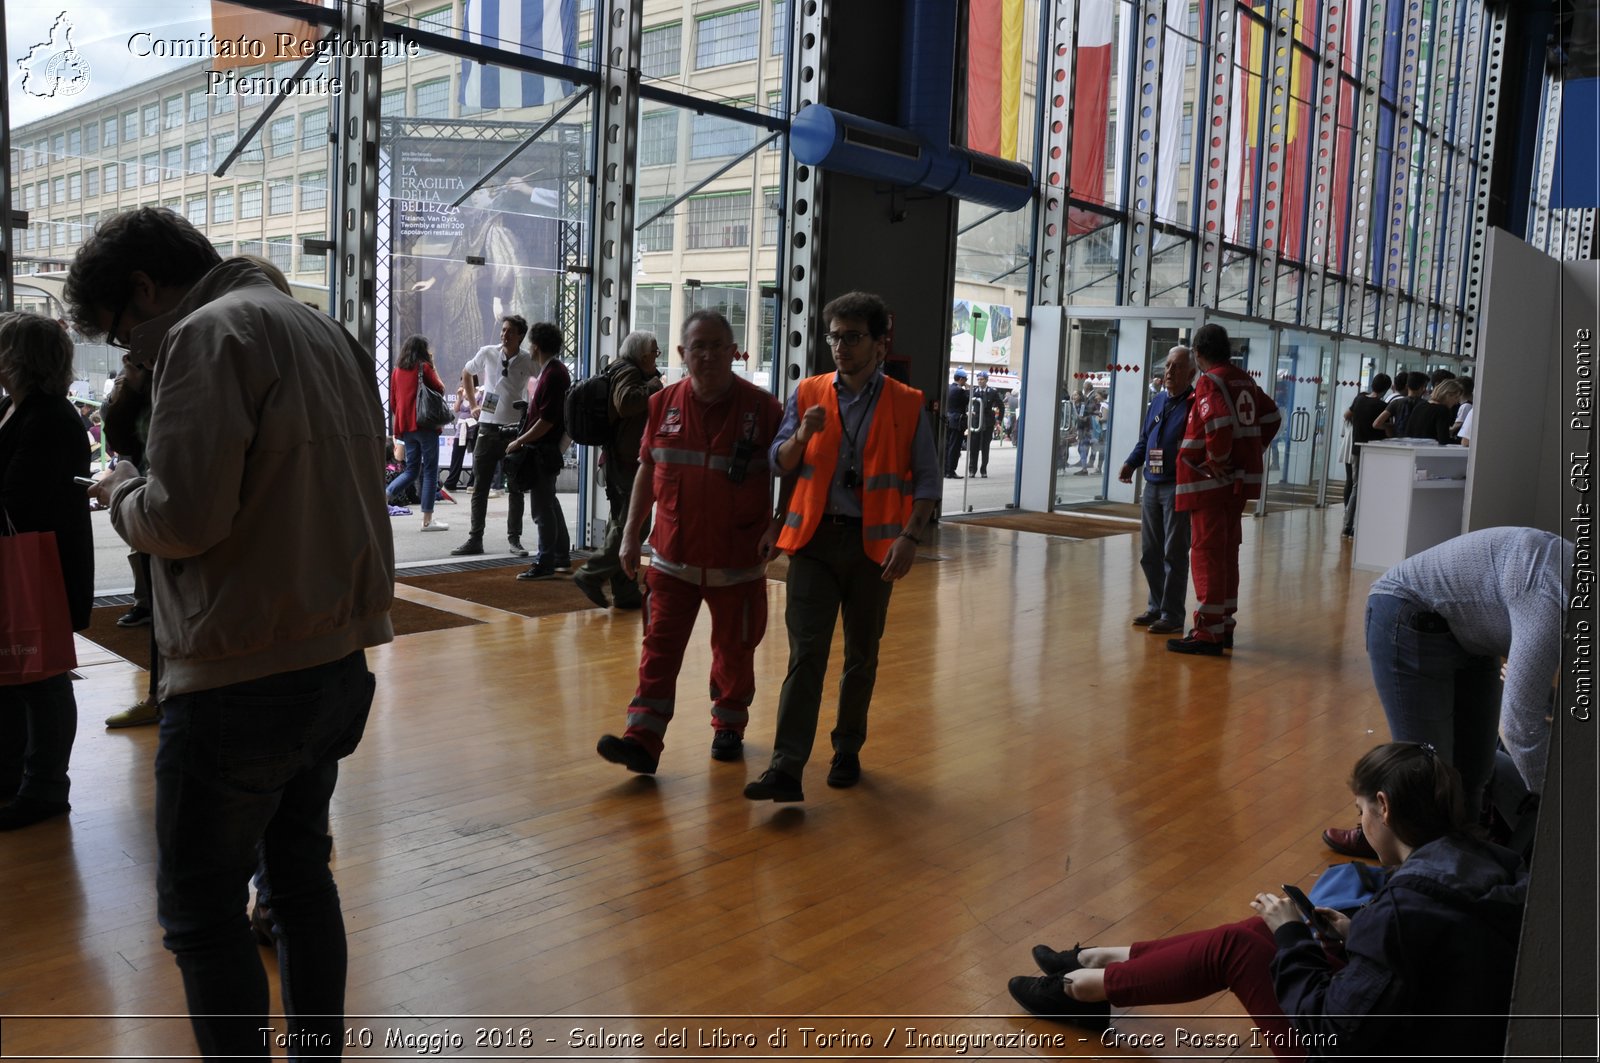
pixel 264 37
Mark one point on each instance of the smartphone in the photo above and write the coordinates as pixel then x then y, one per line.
pixel 84 480
pixel 1319 922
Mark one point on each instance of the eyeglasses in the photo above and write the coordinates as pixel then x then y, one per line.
pixel 845 339
pixel 111 333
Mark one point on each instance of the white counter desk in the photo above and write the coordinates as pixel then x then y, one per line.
pixel 1412 497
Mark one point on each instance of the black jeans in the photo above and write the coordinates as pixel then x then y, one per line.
pixel 490 448
pixel 555 542
pixel 38 723
pixel 244 774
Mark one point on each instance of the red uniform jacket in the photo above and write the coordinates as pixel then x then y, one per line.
pixel 1230 424
pixel 707 527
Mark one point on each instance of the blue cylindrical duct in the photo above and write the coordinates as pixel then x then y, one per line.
pixel 847 143
pixel 928 68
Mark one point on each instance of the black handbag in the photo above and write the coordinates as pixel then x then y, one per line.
pixel 432 411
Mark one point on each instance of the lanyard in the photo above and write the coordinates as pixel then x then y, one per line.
pixel 844 427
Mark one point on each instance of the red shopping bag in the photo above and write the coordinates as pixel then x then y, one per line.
pixel 35 623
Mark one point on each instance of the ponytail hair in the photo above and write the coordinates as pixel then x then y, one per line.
pixel 1424 792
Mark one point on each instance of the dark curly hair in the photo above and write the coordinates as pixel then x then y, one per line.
pixel 862 306
pixel 153 240
pixel 546 337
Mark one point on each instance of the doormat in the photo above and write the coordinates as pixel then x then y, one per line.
pixel 132 644
pixel 499 588
pixel 1063 524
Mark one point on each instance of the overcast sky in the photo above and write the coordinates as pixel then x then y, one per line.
pixel 100 32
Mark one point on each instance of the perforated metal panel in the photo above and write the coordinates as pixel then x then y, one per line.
pixel 355 275
pixel 1149 32
pixel 802 188
pixel 1360 299
pixel 616 151
pixel 1494 50
pixel 1216 110
pixel 1393 271
pixel 1320 237
pixel 1055 104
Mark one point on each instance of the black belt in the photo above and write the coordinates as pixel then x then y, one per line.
pixel 841 518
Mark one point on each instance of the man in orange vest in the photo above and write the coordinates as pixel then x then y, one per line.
pixel 861 483
pixel 703 464
pixel 1220 469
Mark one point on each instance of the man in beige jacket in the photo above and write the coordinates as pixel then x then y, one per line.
pixel 272 570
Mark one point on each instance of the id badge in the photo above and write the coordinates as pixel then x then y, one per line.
pixel 491 401
pixel 1155 463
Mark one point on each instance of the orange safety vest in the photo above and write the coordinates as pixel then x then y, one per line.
pixel 887 483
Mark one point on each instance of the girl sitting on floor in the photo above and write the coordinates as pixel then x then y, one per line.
pixel 1424 969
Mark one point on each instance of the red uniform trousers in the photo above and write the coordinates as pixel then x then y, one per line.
pixel 1216 528
pixel 1175 970
pixel 738 622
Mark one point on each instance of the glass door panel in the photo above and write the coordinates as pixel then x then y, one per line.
pixel 1296 459
pixel 1085 389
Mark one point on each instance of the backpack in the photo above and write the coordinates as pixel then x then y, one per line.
pixel 1403 414
pixel 588 410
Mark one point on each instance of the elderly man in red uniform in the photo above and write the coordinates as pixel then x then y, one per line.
pixel 703 464
pixel 1219 471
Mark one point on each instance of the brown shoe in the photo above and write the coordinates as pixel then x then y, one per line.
pixel 1352 842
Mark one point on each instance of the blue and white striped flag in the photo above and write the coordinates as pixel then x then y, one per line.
pixel 546 29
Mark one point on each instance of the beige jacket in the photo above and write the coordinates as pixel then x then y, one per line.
pixel 263 509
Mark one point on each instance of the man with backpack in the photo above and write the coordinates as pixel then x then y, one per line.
pixel 627 384
pixel 1394 417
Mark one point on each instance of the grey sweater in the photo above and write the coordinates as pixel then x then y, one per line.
pixel 1503 593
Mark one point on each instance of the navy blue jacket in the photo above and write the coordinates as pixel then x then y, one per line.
pixel 1163 431
pixel 1439 939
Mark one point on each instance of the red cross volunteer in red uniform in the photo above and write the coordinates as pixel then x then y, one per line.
pixel 1220 470
pixel 703 464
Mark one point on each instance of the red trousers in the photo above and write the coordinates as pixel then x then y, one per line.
pixel 1236 957
pixel 1215 530
pixel 738 621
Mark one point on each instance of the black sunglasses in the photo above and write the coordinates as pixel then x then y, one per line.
pixel 111 333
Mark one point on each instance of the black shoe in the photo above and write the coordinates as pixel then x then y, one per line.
pixel 1192 645
pixel 138 616
pixel 845 772
pixel 727 745
pixel 1227 641
pixel 627 601
pixel 26 811
pixel 538 570
pixel 629 753
pixel 1057 963
pixel 1042 995
pixel 774 785
pixel 591 588
pixel 563 564
pixel 984 474
pixel 468 548
pixel 1146 618
pixel 1165 627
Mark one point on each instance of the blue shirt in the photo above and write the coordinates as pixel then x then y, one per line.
pixel 855 413
pixel 1163 431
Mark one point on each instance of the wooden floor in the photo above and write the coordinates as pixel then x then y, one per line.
pixel 1038 770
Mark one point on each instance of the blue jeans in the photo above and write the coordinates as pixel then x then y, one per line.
pixel 1164 553
pixel 422 458
pixel 1434 690
pixel 244 774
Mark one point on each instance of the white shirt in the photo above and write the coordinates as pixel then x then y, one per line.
pixel 500 390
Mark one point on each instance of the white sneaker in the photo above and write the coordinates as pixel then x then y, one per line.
pixel 437 525
pixel 497 494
